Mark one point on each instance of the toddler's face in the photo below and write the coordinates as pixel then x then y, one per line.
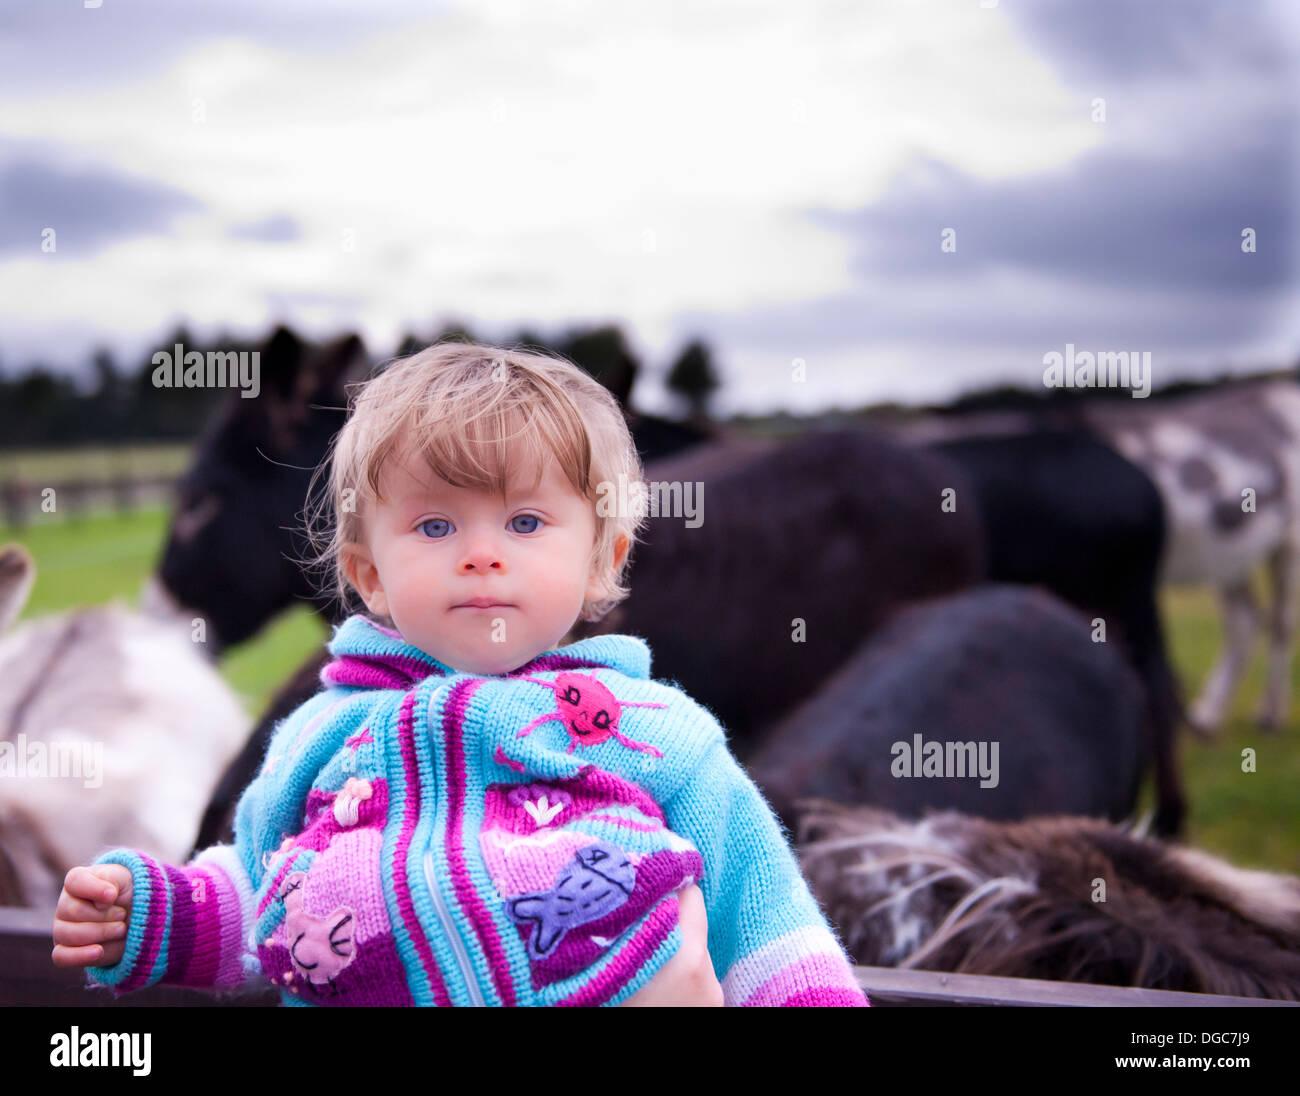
pixel 431 548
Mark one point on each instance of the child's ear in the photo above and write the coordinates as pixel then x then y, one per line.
pixel 364 575
pixel 621 546
pixel 596 582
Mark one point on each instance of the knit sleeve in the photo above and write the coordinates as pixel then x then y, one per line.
pixel 768 939
pixel 191 925
pixel 188 925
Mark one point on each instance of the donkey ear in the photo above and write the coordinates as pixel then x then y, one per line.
pixel 17 573
pixel 340 359
pixel 603 354
pixel 282 360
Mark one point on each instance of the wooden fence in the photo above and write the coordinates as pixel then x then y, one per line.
pixel 21 500
pixel 28 977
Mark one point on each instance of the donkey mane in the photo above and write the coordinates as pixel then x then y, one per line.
pixel 1017 899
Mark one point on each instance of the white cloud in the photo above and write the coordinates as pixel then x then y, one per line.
pixel 536 163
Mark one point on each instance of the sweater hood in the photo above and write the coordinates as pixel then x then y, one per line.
pixel 368 655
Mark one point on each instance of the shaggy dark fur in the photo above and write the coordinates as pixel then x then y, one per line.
pixel 968 895
pixel 1003 664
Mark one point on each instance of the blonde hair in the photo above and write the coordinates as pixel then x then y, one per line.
pixel 464 408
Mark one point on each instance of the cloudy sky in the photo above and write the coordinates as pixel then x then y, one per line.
pixel 775 177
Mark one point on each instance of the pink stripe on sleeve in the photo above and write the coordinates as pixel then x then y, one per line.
pixel 808 975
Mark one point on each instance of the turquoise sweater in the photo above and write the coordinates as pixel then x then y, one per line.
pixel 422 836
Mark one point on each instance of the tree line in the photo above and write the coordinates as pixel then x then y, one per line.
pixel 44 408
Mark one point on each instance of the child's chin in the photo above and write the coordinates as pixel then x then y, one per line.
pixel 494 667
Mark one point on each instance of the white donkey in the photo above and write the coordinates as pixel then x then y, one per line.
pixel 114 727
pixel 1227 462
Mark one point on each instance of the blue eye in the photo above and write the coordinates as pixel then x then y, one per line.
pixel 527 517
pixel 443 524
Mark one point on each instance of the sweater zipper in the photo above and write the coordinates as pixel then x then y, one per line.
pixel 457 944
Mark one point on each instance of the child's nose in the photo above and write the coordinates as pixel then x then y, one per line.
pixel 482 556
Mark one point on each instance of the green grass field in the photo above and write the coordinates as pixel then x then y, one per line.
pixel 95 462
pixel 1251 818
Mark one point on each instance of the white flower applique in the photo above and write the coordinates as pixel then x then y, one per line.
pixel 542 803
pixel 347 804
pixel 543 811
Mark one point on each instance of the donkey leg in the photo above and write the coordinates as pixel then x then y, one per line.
pixel 1284 578
pixel 1164 712
pixel 1240 621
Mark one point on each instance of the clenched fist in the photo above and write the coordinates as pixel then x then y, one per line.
pixel 90 919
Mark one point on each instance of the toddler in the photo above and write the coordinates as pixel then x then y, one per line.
pixel 470 812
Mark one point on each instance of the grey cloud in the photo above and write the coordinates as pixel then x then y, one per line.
pixel 88 208
pixel 59 46
pixel 1123 251
pixel 970 314
pixel 284 303
pixel 973 313
pixel 279 228
pixel 1163 225
pixel 1132 40
pixel 1113 218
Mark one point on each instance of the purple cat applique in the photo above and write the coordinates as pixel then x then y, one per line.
pixel 598 880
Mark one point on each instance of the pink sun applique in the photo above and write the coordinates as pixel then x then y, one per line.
pixel 588 711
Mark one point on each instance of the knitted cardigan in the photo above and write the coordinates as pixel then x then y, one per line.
pixel 421 836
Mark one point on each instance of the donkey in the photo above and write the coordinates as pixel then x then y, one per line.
pixel 231 550
pixel 111 726
pixel 993 701
pixel 1062 898
pixel 1063 510
pixel 1227 463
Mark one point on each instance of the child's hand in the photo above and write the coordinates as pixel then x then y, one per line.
pixel 90 919
pixel 687 979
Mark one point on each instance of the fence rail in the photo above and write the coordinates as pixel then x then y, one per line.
pixel 891 986
pixel 23 500
pixel 28 977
